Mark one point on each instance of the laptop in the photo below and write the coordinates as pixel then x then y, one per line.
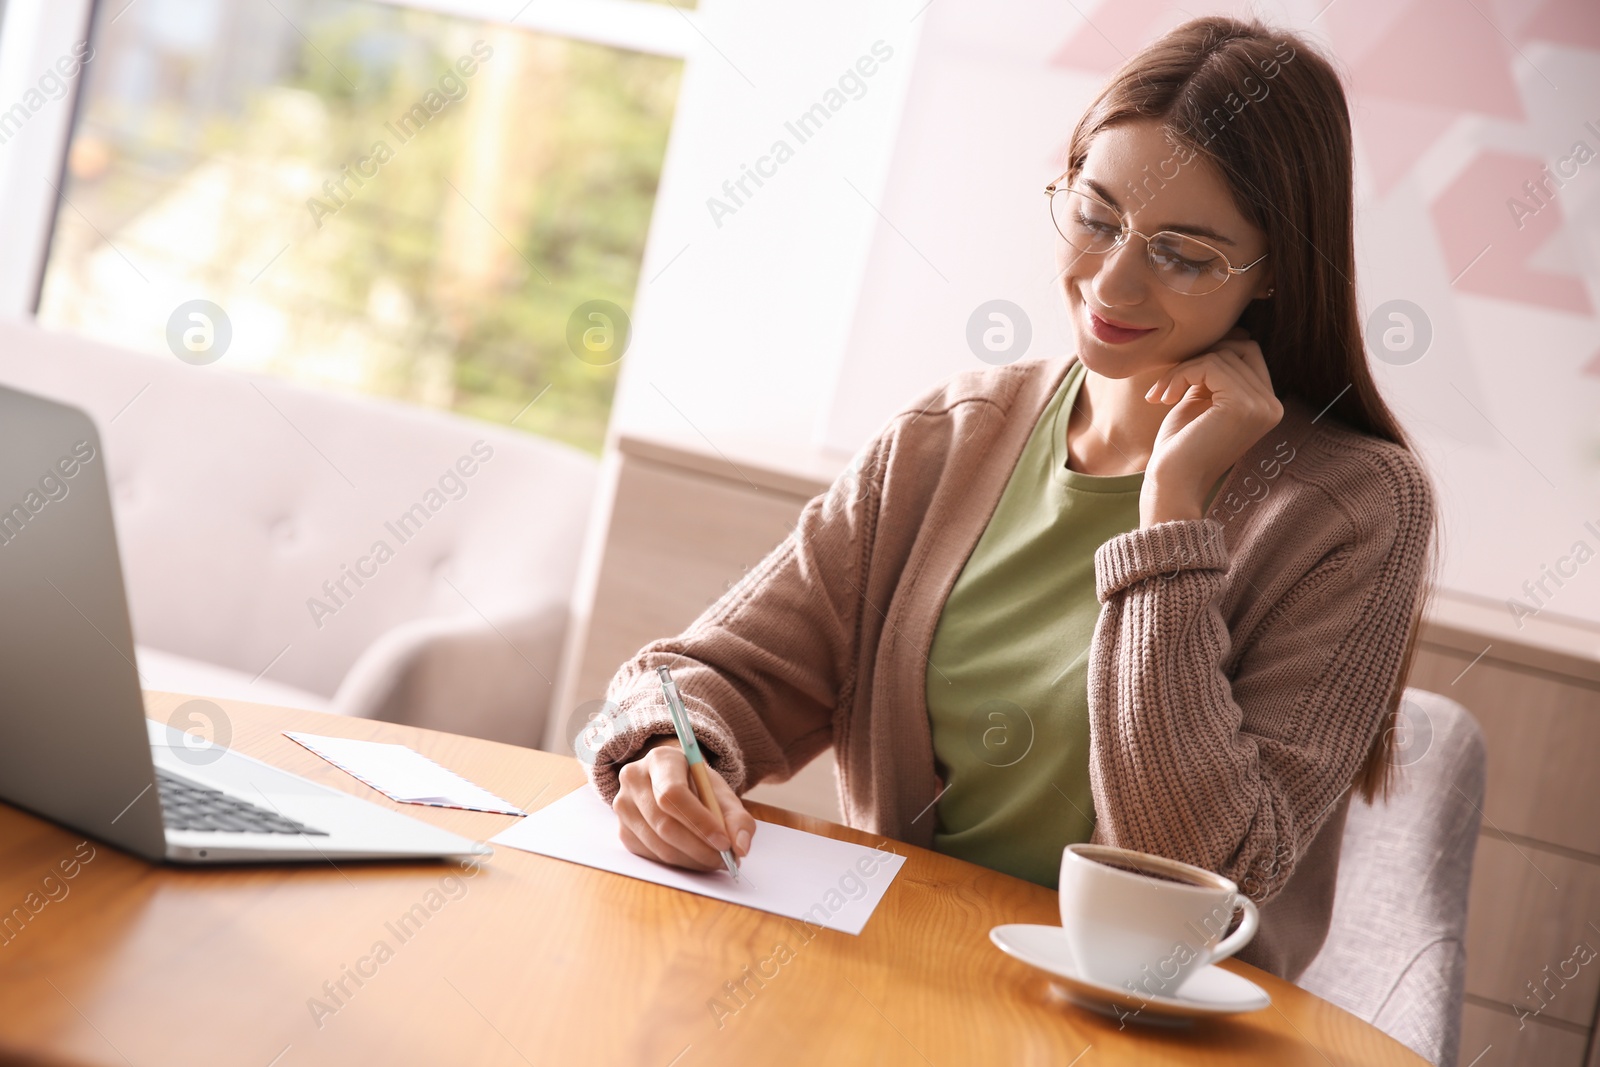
pixel 75 745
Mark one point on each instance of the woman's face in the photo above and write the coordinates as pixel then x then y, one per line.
pixel 1120 285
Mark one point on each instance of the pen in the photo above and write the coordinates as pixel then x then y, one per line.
pixel 699 773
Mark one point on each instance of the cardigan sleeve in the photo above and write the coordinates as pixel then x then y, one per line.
pixel 1235 768
pixel 762 670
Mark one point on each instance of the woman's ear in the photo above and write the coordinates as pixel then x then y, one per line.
pixel 1255 317
pixel 1265 286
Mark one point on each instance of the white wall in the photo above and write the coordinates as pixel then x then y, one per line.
pixel 985 130
pixel 739 328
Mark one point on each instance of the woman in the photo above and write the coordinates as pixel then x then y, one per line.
pixel 1160 594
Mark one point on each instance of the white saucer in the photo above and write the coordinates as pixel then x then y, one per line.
pixel 1208 991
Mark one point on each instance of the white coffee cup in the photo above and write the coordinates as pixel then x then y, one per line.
pixel 1145 923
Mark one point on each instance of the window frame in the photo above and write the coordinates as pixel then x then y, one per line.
pixel 35 33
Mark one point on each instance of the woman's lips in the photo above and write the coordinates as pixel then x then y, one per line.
pixel 1113 335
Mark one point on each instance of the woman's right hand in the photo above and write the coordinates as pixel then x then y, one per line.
pixel 661 818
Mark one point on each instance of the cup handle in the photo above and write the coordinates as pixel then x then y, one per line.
pixel 1240 937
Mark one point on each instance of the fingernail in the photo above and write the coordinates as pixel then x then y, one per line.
pixel 744 842
pixel 719 841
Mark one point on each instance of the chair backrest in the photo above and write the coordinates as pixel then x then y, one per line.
pixel 250 512
pixel 1395 953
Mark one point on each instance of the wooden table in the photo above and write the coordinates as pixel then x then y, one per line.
pixel 537 961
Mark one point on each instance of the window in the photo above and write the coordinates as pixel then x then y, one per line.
pixel 379 199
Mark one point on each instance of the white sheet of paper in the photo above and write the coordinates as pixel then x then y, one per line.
pixel 789 872
pixel 403 774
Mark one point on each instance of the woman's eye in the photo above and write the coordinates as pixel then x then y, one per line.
pixel 1096 225
pixel 1180 255
pixel 1173 261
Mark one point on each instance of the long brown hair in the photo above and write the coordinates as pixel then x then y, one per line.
pixel 1268 112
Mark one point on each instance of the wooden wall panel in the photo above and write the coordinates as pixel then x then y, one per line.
pixel 1543 734
pixel 1494 1038
pixel 677 541
pixel 1528 913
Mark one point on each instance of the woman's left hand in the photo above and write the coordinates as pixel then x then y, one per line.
pixel 1222 403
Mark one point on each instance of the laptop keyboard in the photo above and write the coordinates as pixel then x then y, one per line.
pixel 187 805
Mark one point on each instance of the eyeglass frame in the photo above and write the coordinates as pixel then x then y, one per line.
pixel 1125 231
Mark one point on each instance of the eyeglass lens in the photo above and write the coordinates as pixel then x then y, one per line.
pixel 1182 263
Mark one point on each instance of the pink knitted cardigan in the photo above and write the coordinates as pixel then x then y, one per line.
pixel 1237 675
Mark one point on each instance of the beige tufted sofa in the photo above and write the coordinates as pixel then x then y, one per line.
pixel 250 515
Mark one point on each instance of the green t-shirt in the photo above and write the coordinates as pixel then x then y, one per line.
pixel 1007 674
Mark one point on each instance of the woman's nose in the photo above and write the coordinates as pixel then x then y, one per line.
pixel 1121 278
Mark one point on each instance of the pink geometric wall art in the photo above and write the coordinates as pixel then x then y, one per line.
pixel 1491 220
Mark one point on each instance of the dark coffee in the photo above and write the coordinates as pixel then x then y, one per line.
pixel 1160 876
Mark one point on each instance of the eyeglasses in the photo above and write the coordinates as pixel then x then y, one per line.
pixel 1182 263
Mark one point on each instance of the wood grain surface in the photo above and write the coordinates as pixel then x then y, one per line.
pixel 531 960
